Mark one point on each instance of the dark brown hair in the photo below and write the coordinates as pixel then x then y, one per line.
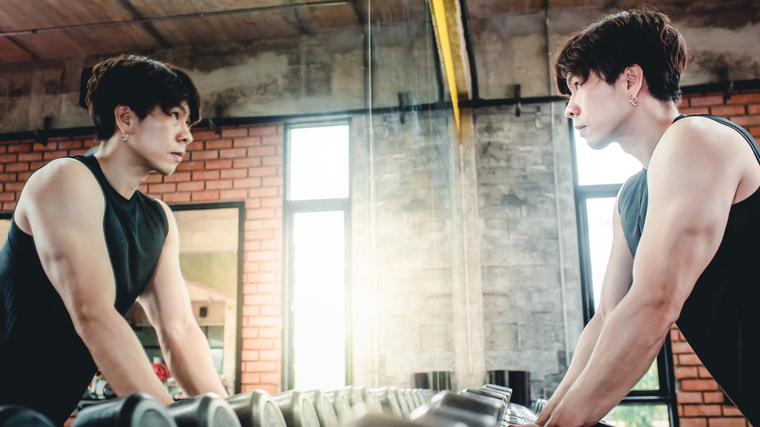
pixel 140 83
pixel 644 37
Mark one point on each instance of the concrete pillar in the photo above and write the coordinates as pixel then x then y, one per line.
pixel 467 293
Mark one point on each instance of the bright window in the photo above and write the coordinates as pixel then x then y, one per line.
pixel 319 301
pixel 318 163
pixel 317 213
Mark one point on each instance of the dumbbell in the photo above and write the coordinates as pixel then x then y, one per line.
pixel 257 409
pixel 296 409
pixel 324 407
pixel 388 401
pixel 205 410
pixel 18 416
pixel 449 415
pixel 342 405
pixel 135 410
pixel 378 420
pixel 501 389
pixel 417 397
pixel 360 395
pixel 469 402
pixel 402 401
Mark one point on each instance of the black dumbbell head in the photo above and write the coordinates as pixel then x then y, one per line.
pixel 135 410
pixel 378 420
pixel 388 401
pixel 324 407
pixel 205 410
pixel 450 416
pixel 256 409
pixel 469 402
pixel 297 409
pixel 17 416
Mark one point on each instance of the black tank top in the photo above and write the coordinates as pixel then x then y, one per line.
pixel 44 365
pixel 721 318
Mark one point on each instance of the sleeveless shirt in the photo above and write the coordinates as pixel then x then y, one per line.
pixel 720 319
pixel 44 365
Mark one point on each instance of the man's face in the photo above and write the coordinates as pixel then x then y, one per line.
pixel 597 109
pixel 161 138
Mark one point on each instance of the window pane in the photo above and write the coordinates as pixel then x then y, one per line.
pixel 599 213
pixel 650 380
pixel 318 163
pixel 639 416
pixel 610 165
pixel 319 301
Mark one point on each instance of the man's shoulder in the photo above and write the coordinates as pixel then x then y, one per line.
pixel 696 138
pixel 704 129
pixel 64 177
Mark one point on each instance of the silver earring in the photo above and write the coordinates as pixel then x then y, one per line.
pixel 124 137
pixel 633 100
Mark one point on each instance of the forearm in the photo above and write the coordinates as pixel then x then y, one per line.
pixel 582 355
pixel 188 357
pixel 120 357
pixel 621 357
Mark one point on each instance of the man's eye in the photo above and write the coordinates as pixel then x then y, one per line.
pixel 577 85
pixel 175 115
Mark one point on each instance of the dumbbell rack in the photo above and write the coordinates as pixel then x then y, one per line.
pixel 486 406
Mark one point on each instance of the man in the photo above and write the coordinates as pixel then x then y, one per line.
pixel 685 241
pixel 84 244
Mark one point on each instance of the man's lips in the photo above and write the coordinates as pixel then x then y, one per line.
pixel 178 154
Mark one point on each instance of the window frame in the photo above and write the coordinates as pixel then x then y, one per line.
pixel 666 394
pixel 289 210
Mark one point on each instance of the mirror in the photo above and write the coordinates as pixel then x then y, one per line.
pixel 210 259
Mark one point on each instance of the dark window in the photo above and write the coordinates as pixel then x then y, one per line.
pixel 598 176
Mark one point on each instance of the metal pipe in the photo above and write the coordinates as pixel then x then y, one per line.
pixel 169 18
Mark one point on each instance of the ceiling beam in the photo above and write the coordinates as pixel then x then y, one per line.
pixel 169 18
pixel 458 46
pixel 147 26
pixel 452 49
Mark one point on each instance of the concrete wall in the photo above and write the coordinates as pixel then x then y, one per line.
pixel 511 49
pixel 404 258
pixel 320 73
pixel 528 248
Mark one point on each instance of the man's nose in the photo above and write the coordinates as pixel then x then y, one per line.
pixel 571 111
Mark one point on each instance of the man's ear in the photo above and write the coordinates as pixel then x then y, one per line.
pixel 634 79
pixel 124 118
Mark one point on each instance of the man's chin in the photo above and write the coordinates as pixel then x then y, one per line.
pixel 598 145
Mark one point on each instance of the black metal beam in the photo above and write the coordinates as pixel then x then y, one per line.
pixel 722 87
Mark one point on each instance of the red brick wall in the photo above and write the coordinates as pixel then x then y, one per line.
pixel 245 163
pixel 701 402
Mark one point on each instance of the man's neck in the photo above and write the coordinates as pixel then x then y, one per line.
pixel 121 168
pixel 645 127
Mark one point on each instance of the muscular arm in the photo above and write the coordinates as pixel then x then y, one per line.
pixel 168 307
pixel 62 208
pixel 691 189
pixel 616 282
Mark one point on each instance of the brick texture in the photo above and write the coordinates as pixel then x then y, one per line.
pixel 701 403
pixel 216 169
